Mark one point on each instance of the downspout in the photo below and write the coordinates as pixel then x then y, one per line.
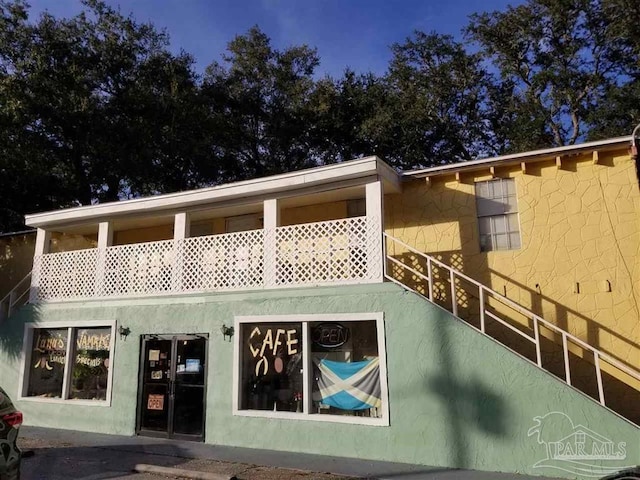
pixel 634 151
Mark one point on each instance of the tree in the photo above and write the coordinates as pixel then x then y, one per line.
pixel 345 111
pixel 619 112
pixel 95 108
pixel 436 107
pixel 260 99
pixel 564 58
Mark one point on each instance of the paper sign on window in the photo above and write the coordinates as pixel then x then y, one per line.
pixel 193 365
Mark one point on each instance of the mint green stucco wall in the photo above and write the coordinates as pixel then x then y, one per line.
pixel 457 398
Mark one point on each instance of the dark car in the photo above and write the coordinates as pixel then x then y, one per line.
pixel 630 474
pixel 10 421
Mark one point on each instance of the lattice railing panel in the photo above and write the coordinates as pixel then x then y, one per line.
pixel 336 251
pixel 65 275
pixel 233 261
pixel 138 268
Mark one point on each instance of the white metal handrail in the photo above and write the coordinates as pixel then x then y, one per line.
pixel 485 291
pixel 12 299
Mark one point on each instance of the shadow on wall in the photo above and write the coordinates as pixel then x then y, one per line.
pixel 16 259
pixel 620 393
pixel 12 330
pixel 468 405
pixel 563 313
pixel 442 219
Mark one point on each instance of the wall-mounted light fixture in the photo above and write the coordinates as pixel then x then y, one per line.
pixel 226 332
pixel 124 332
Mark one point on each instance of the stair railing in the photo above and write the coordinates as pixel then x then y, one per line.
pixel 16 297
pixel 484 294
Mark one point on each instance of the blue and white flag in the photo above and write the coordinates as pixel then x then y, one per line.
pixel 350 385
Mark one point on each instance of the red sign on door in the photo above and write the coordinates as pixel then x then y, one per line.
pixel 155 402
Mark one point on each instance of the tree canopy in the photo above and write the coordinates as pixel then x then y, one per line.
pixel 97 108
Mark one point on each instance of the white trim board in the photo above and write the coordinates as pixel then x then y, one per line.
pixel 533 155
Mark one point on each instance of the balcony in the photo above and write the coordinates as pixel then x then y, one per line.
pixel 335 252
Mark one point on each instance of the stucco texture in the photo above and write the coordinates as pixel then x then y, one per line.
pixel 457 398
pixel 578 266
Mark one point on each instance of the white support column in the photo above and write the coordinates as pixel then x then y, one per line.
pixel 105 234
pixel 271 209
pixel 375 215
pixel 105 239
pixel 181 226
pixel 181 230
pixel 43 242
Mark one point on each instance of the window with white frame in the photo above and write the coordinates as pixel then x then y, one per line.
pixel 316 367
pixel 68 362
pixel 497 207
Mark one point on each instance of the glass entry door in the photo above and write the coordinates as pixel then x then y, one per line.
pixel 172 386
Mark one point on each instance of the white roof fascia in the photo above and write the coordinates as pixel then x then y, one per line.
pixel 299 180
pixel 547 152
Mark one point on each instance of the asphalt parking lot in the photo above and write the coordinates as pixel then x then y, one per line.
pixel 66 454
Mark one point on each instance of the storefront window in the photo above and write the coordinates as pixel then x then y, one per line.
pixel 48 357
pixel 337 361
pixel 272 366
pixel 346 369
pixel 71 363
pixel 91 364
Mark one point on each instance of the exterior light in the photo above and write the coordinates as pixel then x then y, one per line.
pixel 226 332
pixel 124 332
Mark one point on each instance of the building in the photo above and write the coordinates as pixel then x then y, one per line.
pixel 425 317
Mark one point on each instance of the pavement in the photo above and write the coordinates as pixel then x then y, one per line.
pixel 65 454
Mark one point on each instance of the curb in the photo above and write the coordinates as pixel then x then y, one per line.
pixel 181 472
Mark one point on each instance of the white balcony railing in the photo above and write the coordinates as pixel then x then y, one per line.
pixel 344 251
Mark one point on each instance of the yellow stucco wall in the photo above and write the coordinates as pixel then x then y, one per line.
pixel 288 216
pixel 141 235
pixel 313 213
pixel 61 242
pixel 579 264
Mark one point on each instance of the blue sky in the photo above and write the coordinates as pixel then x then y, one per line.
pixel 354 33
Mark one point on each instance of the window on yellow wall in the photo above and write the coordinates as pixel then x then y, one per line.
pixel 497 207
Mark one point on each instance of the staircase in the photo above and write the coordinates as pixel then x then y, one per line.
pixel 609 381
pixel 17 297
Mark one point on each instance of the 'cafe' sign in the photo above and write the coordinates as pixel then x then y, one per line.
pixel 269 342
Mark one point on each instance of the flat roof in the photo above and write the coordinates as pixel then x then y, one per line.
pixel 533 155
pixel 294 183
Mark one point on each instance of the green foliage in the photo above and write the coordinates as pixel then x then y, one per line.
pixel 96 107
pixel 436 97
pixel 261 100
pixel 563 58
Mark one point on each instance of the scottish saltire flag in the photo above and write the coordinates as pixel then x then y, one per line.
pixel 350 385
